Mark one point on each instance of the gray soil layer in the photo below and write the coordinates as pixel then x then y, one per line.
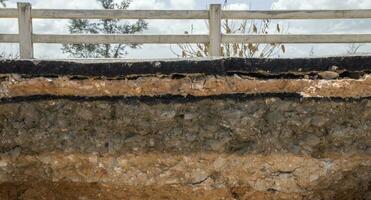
pixel 247 125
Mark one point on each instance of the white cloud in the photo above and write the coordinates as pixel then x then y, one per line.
pixel 148 4
pixel 58 4
pixel 238 6
pixel 342 26
pixel 321 4
pixel 165 26
pixel 183 4
pixel 325 26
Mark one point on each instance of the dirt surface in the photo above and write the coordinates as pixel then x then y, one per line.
pixel 14 86
pixel 186 129
pixel 228 147
pixel 234 124
pixel 197 176
pixel 85 191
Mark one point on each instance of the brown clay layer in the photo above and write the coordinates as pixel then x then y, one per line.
pixel 98 191
pixel 190 85
pixel 277 173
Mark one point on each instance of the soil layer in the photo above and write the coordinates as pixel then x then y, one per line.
pixel 228 147
pixel 186 129
pixel 194 85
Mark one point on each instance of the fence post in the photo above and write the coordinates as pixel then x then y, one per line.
pixel 215 34
pixel 25 30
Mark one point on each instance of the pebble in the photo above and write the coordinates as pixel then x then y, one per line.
pixel 319 121
pixel 328 75
pixel 189 116
pixel 157 64
pixel 3 163
pixel 151 142
pixel 219 163
pixel 198 176
pixel 334 68
pixel 168 114
pixel 312 140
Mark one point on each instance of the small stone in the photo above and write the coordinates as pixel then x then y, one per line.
pixel 334 68
pixel 93 159
pixel 339 133
pixel 312 140
pixel 157 64
pixel 313 178
pixel 14 153
pixel 259 114
pixel 122 162
pixel 151 142
pixel 319 121
pixel 46 159
pixel 189 116
pixel 270 101
pixel 168 114
pixel 117 169
pixel 3 163
pixel 219 163
pixel 328 75
pixel 198 85
pixel 198 176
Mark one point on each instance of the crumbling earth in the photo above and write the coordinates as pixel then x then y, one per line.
pixel 298 133
pixel 206 147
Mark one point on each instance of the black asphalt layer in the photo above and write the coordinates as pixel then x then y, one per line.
pixel 348 66
pixel 166 99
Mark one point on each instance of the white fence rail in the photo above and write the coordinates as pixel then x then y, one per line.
pixel 24 13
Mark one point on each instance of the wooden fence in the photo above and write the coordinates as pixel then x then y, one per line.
pixel 24 13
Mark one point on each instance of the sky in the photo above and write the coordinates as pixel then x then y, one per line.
pixel 199 27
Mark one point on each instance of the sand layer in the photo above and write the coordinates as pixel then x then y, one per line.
pixel 12 86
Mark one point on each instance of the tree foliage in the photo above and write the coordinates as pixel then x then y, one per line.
pixel 249 50
pixel 2 3
pixel 4 55
pixel 353 49
pixel 104 26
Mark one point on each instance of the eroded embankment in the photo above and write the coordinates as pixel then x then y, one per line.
pixel 263 145
pixel 240 129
